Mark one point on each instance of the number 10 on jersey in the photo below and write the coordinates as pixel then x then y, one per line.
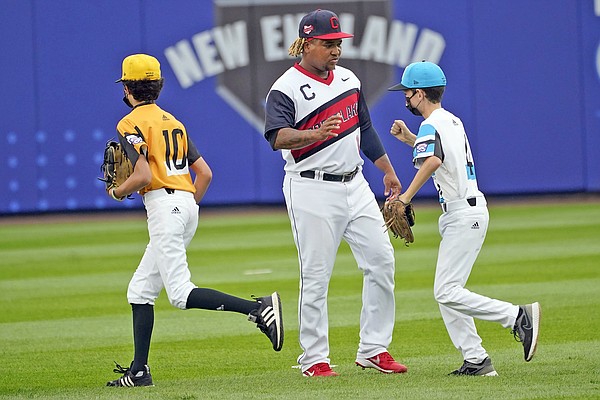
pixel 175 152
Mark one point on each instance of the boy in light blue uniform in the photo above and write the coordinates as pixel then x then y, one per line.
pixel 441 151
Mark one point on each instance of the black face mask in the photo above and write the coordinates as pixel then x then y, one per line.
pixel 126 101
pixel 412 109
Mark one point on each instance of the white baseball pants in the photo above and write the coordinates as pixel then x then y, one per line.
pixel 321 215
pixel 463 233
pixel 172 222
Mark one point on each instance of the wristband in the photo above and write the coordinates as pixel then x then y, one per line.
pixel 114 196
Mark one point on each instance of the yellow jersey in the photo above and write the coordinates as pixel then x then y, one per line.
pixel 163 140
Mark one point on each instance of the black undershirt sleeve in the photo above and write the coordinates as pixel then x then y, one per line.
pixel 193 153
pixel 438 150
pixel 370 142
pixel 279 113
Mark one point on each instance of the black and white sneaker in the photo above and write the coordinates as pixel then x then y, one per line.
pixel 269 319
pixel 527 328
pixel 141 378
pixel 484 368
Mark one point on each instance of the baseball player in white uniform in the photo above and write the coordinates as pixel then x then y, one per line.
pixel 441 150
pixel 317 115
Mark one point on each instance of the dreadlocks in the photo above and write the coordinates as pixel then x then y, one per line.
pixel 297 47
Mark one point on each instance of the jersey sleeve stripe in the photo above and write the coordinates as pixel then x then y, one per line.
pixel 425 130
pixel 425 143
pixel 423 149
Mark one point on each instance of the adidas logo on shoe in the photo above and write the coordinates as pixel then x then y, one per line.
pixel 475 225
pixel 129 379
pixel 269 319
pixel 176 211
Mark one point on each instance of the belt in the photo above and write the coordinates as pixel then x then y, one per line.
pixel 464 203
pixel 329 177
pixel 164 192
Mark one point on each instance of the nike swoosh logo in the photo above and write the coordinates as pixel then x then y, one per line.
pixel 345 79
pixel 309 373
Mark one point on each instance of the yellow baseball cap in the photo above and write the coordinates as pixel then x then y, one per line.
pixel 139 67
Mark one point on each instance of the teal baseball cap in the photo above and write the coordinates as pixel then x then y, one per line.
pixel 419 75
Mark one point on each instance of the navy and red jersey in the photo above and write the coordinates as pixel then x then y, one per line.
pixel 302 100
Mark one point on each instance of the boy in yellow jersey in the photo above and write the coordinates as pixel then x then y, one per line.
pixel 162 154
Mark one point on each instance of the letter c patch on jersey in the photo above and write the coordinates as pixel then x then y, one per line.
pixel 306 95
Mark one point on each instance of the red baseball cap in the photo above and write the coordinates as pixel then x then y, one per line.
pixel 321 24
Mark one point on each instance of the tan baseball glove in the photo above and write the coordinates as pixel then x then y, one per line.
pixel 116 167
pixel 399 217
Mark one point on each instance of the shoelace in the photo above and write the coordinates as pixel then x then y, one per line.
pixel 258 318
pixel 323 367
pixel 263 328
pixel 466 365
pixel 119 369
pixel 516 335
pixel 385 356
pixel 516 332
pixel 462 369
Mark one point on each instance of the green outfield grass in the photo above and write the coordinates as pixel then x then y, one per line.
pixel 64 316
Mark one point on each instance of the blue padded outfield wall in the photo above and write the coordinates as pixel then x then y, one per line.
pixel 523 75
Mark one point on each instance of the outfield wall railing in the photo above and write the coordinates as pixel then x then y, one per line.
pixel 523 76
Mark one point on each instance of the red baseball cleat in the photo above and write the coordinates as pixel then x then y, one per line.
pixel 320 369
pixel 383 362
